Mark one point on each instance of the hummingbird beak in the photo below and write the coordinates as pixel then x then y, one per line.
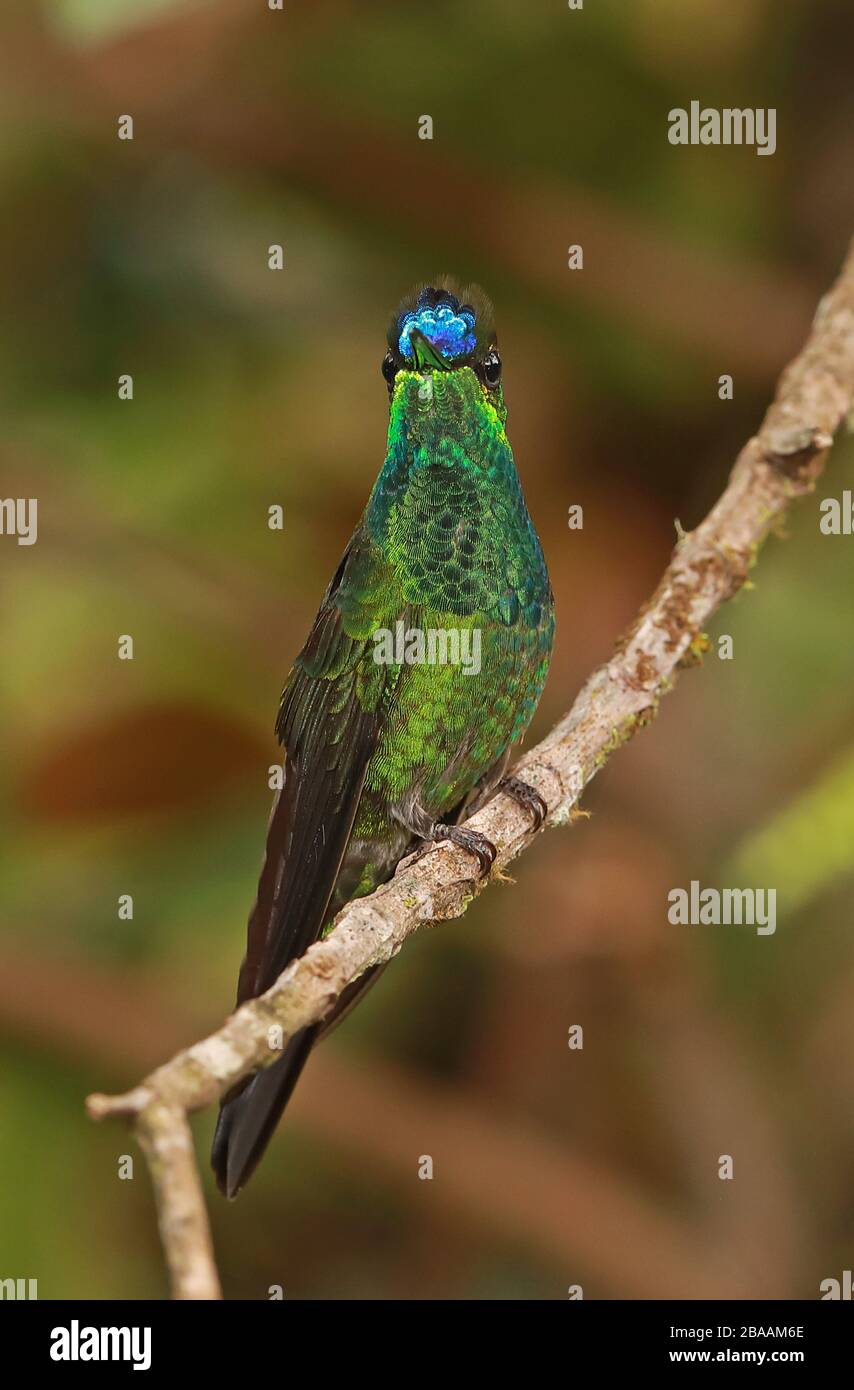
pixel 426 355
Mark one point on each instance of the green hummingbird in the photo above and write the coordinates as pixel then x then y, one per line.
pixel 424 666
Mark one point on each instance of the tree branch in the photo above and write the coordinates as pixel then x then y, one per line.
pixel 709 565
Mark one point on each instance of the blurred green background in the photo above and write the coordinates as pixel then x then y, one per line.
pixel 552 1167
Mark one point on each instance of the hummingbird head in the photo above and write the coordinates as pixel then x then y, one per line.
pixel 442 328
pixel 446 436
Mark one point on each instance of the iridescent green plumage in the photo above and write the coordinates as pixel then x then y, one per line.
pixel 380 754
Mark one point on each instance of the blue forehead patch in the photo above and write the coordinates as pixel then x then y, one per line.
pixel 449 330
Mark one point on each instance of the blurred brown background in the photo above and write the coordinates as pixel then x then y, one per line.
pixel 552 1167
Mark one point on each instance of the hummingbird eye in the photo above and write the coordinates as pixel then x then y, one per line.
pixel 389 369
pixel 492 368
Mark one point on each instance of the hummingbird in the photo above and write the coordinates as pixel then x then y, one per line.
pixel 391 739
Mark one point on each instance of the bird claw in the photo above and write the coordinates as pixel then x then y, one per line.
pixel 526 796
pixel 482 848
pixel 470 840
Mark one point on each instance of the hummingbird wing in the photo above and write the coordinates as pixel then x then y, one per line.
pixel 329 724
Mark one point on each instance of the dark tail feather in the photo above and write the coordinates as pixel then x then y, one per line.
pixel 246 1121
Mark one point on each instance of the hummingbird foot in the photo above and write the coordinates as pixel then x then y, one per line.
pixel 483 849
pixel 526 796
